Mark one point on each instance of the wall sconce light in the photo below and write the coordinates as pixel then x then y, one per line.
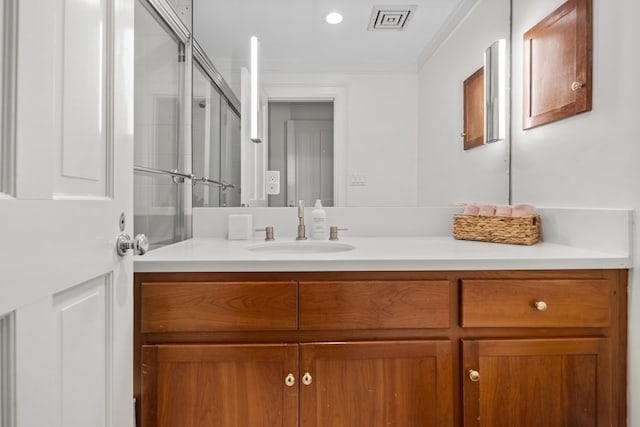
pixel 254 133
pixel 495 87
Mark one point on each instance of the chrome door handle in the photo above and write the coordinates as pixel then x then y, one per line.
pixel 139 245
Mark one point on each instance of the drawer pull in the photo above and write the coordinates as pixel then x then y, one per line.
pixel 474 375
pixel 290 380
pixel 307 379
pixel 540 305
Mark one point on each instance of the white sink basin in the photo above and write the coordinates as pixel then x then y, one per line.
pixel 301 247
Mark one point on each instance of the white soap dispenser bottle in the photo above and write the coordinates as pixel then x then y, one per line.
pixel 318 221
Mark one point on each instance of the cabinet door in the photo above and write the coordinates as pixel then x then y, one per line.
pixel 557 65
pixel 370 384
pixel 219 385
pixel 473 133
pixel 551 383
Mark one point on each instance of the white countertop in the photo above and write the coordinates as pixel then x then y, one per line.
pixel 377 254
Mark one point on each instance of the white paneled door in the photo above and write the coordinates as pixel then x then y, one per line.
pixel 65 294
pixel 310 161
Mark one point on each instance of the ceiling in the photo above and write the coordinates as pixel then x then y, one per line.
pixel 295 38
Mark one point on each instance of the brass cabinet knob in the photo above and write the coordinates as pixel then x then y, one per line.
pixel 290 380
pixel 307 379
pixel 463 134
pixel 540 305
pixel 474 375
pixel 576 85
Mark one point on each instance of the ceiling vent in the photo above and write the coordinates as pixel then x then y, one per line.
pixel 391 17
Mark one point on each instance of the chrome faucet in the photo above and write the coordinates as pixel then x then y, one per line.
pixel 301 228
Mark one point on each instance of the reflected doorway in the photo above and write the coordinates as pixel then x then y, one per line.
pixel 301 148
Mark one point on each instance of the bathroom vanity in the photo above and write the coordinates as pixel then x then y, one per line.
pixel 430 332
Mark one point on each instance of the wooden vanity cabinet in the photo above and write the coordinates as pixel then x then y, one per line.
pixel 539 382
pixel 560 360
pixel 190 385
pixel 400 383
pixel 489 348
pixel 288 349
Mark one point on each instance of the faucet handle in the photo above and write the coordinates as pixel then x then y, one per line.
pixel 268 232
pixel 333 232
pixel 300 208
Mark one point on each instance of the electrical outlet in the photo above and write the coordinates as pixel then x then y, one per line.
pixel 273 182
pixel 358 180
pixel 273 188
pixel 273 177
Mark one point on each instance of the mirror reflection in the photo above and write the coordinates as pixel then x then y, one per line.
pixel 301 150
pixel 215 144
pixel 395 97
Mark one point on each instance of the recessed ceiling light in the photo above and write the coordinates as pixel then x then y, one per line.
pixel 333 18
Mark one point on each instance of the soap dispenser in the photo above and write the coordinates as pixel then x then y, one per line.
pixel 318 221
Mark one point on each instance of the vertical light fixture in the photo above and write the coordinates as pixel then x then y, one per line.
pixel 495 88
pixel 254 133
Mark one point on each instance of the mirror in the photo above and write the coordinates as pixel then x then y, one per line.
pixel 397 93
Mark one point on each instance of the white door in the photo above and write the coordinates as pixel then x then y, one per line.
pixel 65 294
pixel 310 161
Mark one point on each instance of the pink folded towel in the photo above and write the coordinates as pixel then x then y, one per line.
pixel 471 210
pixel 503 210
pixel 487 210
pixel 522 210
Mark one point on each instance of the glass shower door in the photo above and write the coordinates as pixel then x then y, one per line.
pixel 230 156
pixel 205 139
pixel 159 208
pixel 215 136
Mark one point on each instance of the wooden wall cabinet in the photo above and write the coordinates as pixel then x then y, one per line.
pixel 473 107
pixel 557 65
pixel 497 348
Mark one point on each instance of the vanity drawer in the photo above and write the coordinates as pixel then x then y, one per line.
pixel 218 306
pixel 340 305
pixel 536 303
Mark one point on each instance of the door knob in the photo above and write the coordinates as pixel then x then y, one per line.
pixel 139 244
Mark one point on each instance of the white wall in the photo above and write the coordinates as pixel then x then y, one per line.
pixel 381 132
pixel 591 159
pixel 446 172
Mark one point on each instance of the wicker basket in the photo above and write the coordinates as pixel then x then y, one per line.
pixel 522 230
